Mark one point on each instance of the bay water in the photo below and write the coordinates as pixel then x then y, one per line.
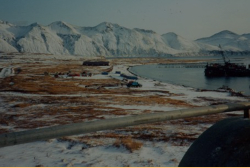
pixel 194 77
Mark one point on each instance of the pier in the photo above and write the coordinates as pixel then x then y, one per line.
pixel 187 65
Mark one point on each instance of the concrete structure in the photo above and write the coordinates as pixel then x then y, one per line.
pixel 87 127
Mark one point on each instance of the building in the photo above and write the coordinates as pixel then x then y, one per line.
pixel 129 77
pixel 95 63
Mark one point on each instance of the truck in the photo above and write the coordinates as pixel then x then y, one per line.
pixel 133 84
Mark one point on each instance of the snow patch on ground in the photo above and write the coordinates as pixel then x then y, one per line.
pixel 64 153
pixel 8 71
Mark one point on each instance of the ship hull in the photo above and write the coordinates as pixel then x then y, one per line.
pixel 224 71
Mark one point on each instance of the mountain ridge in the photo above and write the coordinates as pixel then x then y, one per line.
pixel 110 39
pixel 228 40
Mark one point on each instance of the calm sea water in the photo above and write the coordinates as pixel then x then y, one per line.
pixel 194 77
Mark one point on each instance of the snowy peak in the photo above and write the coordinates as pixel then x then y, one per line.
pixel 105 27
pixel 144 31
pixel 61 27
pixel 170 35
pixel 228 40
pixel 226 34
pixel 35 25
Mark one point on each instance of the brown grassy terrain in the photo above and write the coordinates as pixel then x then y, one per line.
pixel 128 143
pixel 39 100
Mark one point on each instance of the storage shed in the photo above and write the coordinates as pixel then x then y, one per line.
pixel 95 63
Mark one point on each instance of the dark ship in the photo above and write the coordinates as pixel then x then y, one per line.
pixel 227 69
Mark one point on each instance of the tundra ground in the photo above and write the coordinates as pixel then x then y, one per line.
pixel 33 97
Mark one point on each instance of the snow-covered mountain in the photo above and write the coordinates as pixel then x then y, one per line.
pixel 228 40
pixel 179 43
pixel 105 39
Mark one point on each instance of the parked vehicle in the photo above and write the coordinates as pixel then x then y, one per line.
pixel 118 72
pixel 133 84
pixel 105 73
pixel 74 74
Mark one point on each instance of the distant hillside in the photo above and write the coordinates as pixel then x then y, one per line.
pixel 228 40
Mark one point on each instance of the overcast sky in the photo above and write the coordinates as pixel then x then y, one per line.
pixel 191 19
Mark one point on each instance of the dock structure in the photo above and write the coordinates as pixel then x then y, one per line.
pixel 187 65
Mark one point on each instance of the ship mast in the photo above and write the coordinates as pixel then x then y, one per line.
pixel 223 56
